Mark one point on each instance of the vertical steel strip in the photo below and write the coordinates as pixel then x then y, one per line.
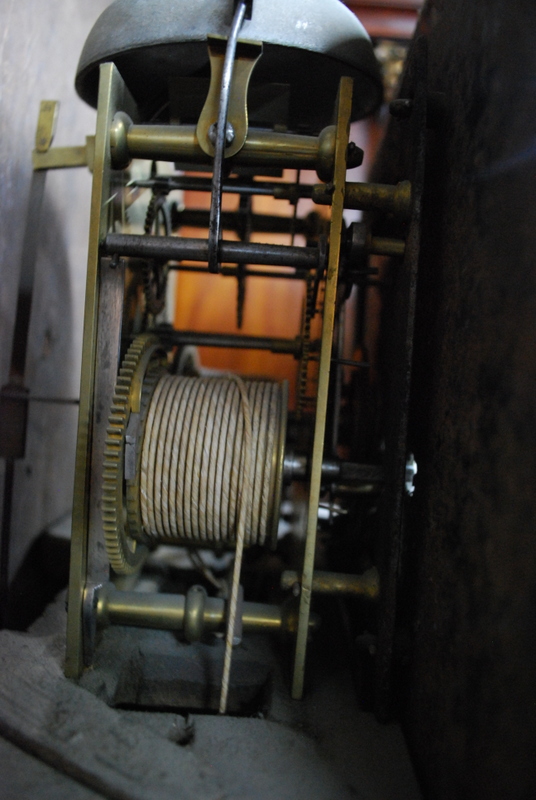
pixel 344 106
pixel 113 96
pixel 214 225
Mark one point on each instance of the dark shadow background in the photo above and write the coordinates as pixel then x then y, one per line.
pixel 468 598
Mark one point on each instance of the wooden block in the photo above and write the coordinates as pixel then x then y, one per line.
pixel 73 731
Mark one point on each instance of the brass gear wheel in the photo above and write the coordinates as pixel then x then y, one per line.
pixel 144 363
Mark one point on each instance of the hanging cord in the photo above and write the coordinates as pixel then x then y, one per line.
pixel 244 502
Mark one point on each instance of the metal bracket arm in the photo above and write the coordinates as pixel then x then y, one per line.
pixel 65 157
pixel 47 157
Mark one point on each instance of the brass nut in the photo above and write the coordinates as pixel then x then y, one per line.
pixel 194 612
pixel 326 153
pixel 121 124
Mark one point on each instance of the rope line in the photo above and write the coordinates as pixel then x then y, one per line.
pixel 244 502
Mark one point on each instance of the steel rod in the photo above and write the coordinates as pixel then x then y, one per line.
pixel 232 272
pixel 286 346
pixel 298 468
pixel 175 248
pixel 278 189
pixel 26 398
pixel 381 245
pixel 264 223
pixel 369 196
pixel 365 585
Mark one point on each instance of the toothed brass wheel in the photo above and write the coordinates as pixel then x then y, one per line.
pixel 142 366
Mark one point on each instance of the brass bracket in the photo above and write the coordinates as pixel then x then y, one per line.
pixel 102 317
pixel 344 108
pixel 246 57
pixel 46 125
pixel 44 156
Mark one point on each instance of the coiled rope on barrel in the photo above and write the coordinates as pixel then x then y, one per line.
pixel 193 455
